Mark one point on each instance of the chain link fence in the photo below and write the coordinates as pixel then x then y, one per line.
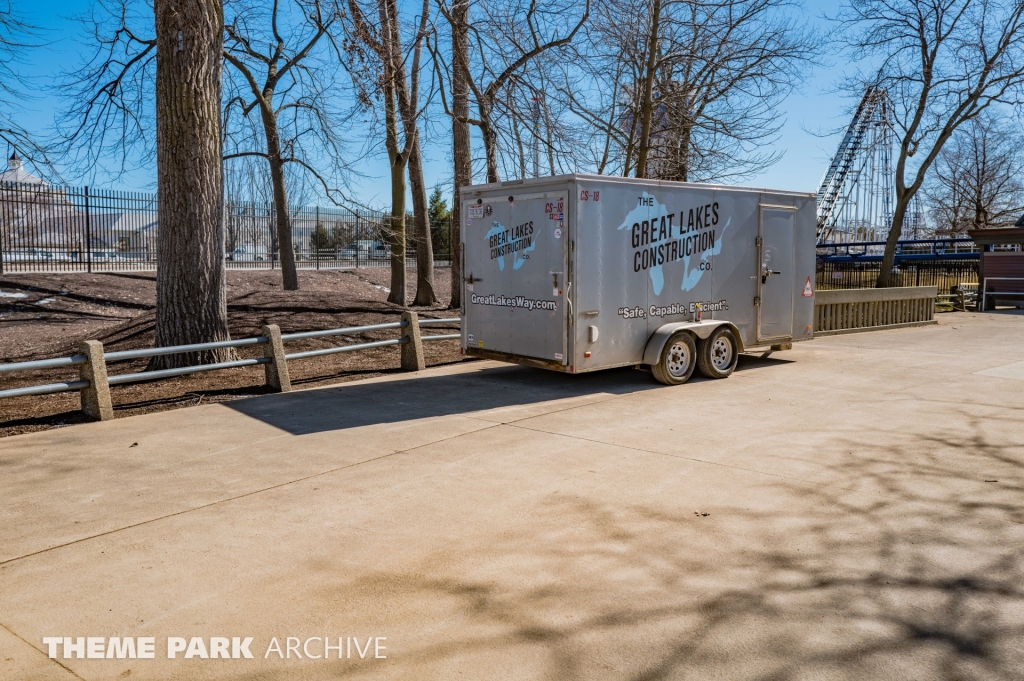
pixel 45 228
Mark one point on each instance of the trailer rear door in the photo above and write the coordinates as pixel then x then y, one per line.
pixel 777 269
pixel 515 267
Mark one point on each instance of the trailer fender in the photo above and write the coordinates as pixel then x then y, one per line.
pixel 702 329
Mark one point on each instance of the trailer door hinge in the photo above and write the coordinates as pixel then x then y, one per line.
pixel 757 301
pixel 758 241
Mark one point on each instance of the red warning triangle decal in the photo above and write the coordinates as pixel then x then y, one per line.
pixel 808 289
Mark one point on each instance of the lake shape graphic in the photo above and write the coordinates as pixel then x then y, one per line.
pixel 639 214
pixel 692 277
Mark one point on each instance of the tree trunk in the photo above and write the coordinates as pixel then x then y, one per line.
pixel 684 155
pixel 900 211
pixel 647 111
pixel 424 246
pixel 191 302
pixel 282 221
pixel 396 230
pixel 461 145
pixel 490 136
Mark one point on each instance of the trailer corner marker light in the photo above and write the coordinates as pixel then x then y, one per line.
pixel 586 355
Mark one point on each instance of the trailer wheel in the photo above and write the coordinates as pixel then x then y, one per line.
pixel 717 354
pixel 678 359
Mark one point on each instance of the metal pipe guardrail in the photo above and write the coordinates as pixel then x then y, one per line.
pixel 985 292
pixel 94 384
pixel 346 348
pixel 176 349
pixel 46 389
pixel 44 364
pixel 182 371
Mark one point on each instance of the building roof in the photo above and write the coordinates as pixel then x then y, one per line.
pixel 984 237
pixel 16 172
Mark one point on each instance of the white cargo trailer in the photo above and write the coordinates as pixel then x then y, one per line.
pixel 583 272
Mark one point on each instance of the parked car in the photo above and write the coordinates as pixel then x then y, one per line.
pixel 248 254
pixel 366 249
pixel 28 254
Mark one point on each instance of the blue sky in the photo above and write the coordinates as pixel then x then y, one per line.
pixel 815 108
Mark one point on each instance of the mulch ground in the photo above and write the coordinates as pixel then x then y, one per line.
pixel 47 315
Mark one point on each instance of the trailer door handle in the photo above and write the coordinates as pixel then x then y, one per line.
pixel 568 300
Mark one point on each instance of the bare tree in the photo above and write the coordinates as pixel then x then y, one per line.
pixel 409 107
pixel 191 304
pixel 288 87
pixel 944 63
pixel 109 113
pixel 15 40
pixel 462 152
pixel 508 40
pixel 647 100
pixel 600 90
pixel 976 180
pixel 153 87
pixel 688 90
pixel 398 88
pixel 531 118
pixel 507 37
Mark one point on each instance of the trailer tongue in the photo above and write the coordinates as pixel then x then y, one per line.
pixel 582 272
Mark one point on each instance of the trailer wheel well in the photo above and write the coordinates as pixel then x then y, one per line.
pixel 700 330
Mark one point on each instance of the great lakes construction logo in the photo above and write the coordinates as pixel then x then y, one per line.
pixel 518 242
pixel 659 237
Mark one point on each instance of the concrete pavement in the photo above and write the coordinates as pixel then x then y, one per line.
pixel 851 509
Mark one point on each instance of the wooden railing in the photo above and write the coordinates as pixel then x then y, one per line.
pixel 872 309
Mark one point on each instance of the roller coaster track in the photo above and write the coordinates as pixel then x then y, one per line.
pixel 873 108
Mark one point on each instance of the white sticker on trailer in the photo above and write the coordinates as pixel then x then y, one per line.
pixel 476 212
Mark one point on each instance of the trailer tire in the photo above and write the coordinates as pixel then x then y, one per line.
pixel 718 354
pixel 678 360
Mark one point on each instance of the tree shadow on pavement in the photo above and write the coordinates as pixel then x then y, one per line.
pixel 921 577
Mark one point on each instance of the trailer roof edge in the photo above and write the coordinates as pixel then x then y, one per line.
pixel 572 177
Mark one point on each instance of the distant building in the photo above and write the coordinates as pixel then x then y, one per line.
pixel 16 172
pixel 40 221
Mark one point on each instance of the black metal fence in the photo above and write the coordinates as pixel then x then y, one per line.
pixel 932 262
pixel 45 228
